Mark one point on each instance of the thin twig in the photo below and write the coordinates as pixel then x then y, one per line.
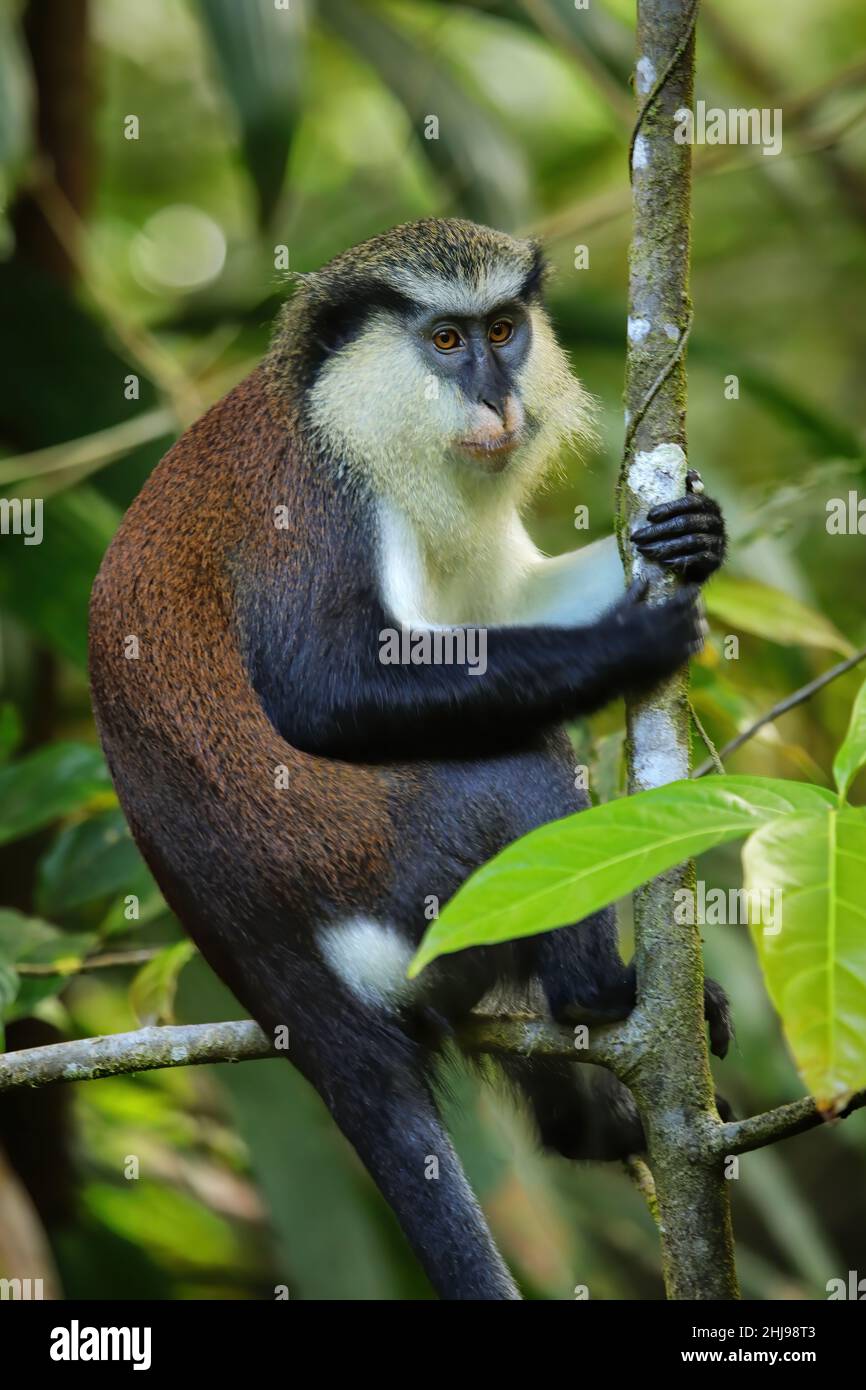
pixel 76 459
pixel 798 698
pixel 92 451
pixel 742 1136
pixel 708 742
pixel 147 1049
pixel 185 1045
pixel 639 1172
pixel 147 351
pixel 103 962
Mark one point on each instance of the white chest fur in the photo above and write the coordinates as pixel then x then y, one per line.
pixel 495 576
pixel 481 580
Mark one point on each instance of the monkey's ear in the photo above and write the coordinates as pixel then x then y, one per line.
pixel 299 279
pixel 538 274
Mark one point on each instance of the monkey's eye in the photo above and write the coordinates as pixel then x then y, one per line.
pixel 500 331
pixel 447 339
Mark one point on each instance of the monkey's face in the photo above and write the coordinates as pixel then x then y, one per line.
pixel 441 381
pixel 485 393
pixel 478 359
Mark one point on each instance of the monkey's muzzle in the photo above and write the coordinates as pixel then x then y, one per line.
pixel 495 436
pixel 492 452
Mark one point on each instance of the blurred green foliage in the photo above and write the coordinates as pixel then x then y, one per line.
pixel 138 284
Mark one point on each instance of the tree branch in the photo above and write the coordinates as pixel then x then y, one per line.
pixel 106 961
pixel 149 1049
pixel 790 702
pixel 616 1046
pixel 742 1136
pixel 640 1175
pixel 671 1079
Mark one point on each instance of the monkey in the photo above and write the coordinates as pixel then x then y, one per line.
pixel 301 801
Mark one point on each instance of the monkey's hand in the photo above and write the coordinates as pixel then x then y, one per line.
pixel 653 642
pixel 687 536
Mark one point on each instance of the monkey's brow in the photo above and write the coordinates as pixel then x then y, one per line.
pixel 479 313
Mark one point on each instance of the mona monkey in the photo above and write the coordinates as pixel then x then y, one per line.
pixel 299 801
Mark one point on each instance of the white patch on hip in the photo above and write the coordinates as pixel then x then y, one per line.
pixel 371 958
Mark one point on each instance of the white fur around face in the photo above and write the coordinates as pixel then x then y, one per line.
pixel 387 418
pixel 452 547
pixel 371 958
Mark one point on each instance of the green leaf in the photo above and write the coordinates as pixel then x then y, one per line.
pixel 9 982
pixel 607 767
pixel 150 907
pixel 815 966
pixel 20 935
pixel 78 526
pixel 152 991
pixel 47 785
pixel 91 860
pixel 16 92
pixel 30 941
pixel 766 612
pixel 48 586
pixel 260 53
pixel 852 753
pixel 11 730
pixel 563 871
pixel 32 991
pixel 482 167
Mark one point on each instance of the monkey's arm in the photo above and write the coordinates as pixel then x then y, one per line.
pixel 573 589
pixel 341 700
pixel 687 536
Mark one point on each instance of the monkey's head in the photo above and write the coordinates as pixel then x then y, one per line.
pixel 427 363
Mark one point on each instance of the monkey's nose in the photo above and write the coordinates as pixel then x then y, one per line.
pixel 497 406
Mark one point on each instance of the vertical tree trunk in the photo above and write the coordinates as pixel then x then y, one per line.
pixel 672 1081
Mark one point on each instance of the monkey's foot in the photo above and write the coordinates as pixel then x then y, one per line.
pixel 717 1011
pixel 618 1002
